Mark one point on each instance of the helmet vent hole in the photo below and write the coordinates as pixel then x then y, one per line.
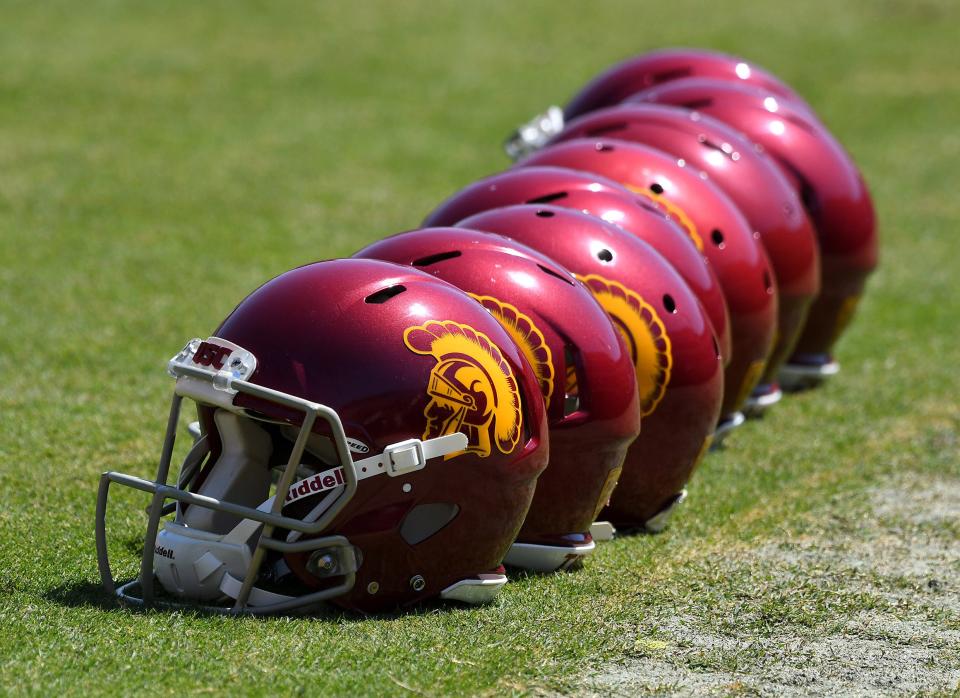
pixel 606 129
pixel 698 103
pixel 605 255
pixel 767 281
pixel 717 236
pixel 656 188
pixel 716 347
pixel 547 198
pixel 383 295
pixel 555 274
pixel 545 214
pixel 604 148
pixel 434 258
pixel 669 304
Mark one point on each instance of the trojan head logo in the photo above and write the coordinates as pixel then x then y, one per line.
pixel 472 388
pixel 527 337
pixel 644 333
pixel 675 212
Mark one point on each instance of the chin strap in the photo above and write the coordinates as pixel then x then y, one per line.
pixel 396 460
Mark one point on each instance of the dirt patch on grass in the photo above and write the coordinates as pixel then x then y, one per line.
pixel 865 601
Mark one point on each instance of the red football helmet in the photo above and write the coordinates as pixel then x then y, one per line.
pixel 716 227
pixel 665 328
pixel 831 188
pixel 628 77
pixel 585 373
pixel 606 199
pixel 403 428
pixel 753 182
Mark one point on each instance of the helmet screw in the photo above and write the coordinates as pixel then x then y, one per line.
pixel 321 564
pixel 417 583
pixel 373 588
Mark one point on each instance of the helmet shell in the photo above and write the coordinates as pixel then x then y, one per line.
pixel 586 375
pixel 716 227
pixel 663 324
pixel 368 339
pixel 606 199
pixel 752 181
pixel 823 174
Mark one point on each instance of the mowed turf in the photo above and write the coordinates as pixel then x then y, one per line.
pixel 159 161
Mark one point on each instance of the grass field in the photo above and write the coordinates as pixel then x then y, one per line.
pixel 158 161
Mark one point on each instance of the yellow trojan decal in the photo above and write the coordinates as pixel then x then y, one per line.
pixel 528 337
pixel 644 333
pixel 472 388
pixel 677 213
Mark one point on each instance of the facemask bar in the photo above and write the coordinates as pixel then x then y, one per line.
pixel 226 382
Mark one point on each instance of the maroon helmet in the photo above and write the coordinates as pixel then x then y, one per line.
pixel 628 77
pixel 403 428
pixel 716 227
pixel 753 182
pixel 585 373
pixel 664 326
pixel 831 188
pixel 606 199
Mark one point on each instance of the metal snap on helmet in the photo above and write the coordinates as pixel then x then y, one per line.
pixel 370 436
pixel 585 373
pixel 672 343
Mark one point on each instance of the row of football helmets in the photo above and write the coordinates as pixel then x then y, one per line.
pixel 679 241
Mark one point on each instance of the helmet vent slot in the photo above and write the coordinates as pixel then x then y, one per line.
pixel 383 295
pixel 545 214
pixel 434 258
pixel 716 235
pixel 698 103
pixel 600 130
pixel 669 304
pixel 667 75
pixel 604 148
pixel 571 401
pixel 547 198
pixel 767 281
pixel 556 274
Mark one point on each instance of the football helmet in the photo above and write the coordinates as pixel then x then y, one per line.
pixel 630 76
pixel 754 183
pixel 585 373
pixel 608 200
pixel 370 436
pixel 666 329
pixel 717 228
pixel 831 188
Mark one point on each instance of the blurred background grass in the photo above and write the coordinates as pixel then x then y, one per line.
pixel 159 161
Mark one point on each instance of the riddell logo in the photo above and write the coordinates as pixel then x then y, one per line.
pixel 163 552
pixel 211 355
pixel 321 482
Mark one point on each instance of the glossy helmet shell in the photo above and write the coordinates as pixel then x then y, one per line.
pixel 716 227
pixel 626 273
pixel 828 182
pixel 665 65
pixel 752 181
pixel 605 199
pixel 347 334
pixel 585 373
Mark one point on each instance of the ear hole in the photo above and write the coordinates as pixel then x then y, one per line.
pixel 555 274
pixel 669 304
pixel 571 395
pixel 434 258
pixel 605 255
pixel 606 129
pixel 425 520
pixel 545 214
pixel 383 295
pixel 656 188
pixel 717 236
pixel 547 198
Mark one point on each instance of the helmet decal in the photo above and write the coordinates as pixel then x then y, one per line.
pixel 676 213
pixel 472 388
pixel 528 337
pixel 645 335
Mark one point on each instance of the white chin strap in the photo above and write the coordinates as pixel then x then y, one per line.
pixel 197 564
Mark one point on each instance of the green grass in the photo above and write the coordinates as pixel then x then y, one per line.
pixel 158 161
